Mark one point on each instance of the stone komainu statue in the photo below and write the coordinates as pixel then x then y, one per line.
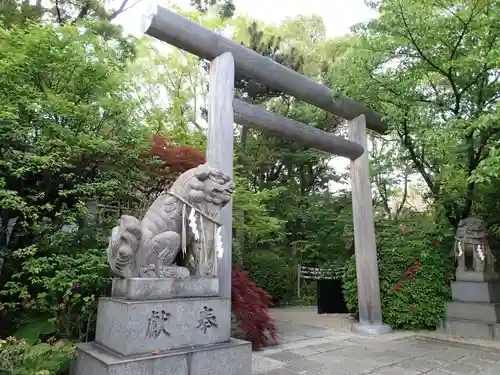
pixel 179 233
pixel 471 246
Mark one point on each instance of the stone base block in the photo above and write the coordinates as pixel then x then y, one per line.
pixel 480 312
pixel 475 276
pixel 141 289
pixel 371 328
pixel 472 329
pixel 474 291
pixel 231 358
pixel 141 327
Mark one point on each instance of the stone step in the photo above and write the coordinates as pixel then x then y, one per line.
pixel 472 329
pixel 142 327
pixel 476 291
pixel 474 311
pixel 230 358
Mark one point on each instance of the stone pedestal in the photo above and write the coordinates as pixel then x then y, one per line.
pixel 475 308
pixel 186 330
pixel 229 358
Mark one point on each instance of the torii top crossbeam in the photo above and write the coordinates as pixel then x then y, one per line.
pixel 189 36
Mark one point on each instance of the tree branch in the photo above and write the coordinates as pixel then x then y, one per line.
pixel 405 137
pixel 462 34
pixel 414 43
pixel 122 9
pixel 471 166
pixel 405 195
pixel 448 74
pixel 83 12
pixel 58 12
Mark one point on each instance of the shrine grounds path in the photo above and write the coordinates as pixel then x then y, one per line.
pixel 312 344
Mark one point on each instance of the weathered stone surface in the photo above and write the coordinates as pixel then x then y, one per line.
pixel 141 289
pixel 469 328
pixel 399 353
pixel 261 363
pixel 236 360
pixel 475 311
pixel 472 249
pixel 371 328
pixel 86 364
pixel 475 276
pixel 471 291
pixel 140 327
pixel 230 358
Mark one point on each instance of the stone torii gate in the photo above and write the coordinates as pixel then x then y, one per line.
pixel 226 56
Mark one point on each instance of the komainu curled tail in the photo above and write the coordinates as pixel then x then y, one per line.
pixel 123 245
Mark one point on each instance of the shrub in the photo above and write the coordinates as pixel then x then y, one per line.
pixel 61 284
pixel 415 264
pixel 18 357
pixel 271 272
pixel 250 305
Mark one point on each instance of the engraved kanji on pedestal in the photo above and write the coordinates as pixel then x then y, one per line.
pixel 156 323
pixel 207 319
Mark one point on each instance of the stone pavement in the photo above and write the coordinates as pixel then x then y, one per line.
pixel 314 350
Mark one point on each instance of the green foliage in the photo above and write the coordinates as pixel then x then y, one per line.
pixel 432 69
pixel 67 134
pixel 31 332
pixel 258 226
pixel 307 299
pixel 59 281
pixel 61 12
pixel 289 181
pixel 167 87
pixel 272 273
pixel 328 232
pixel 27 353
pixel 415 264
pixel 69 138
pixel 14 12
pixel 18 357
pixel 75 108
pixel 225 8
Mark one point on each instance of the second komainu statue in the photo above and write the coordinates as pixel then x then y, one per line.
pixel 472 249
pixel 180 234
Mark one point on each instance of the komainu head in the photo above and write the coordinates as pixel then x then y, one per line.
pixel 472 230
pixel 210 187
